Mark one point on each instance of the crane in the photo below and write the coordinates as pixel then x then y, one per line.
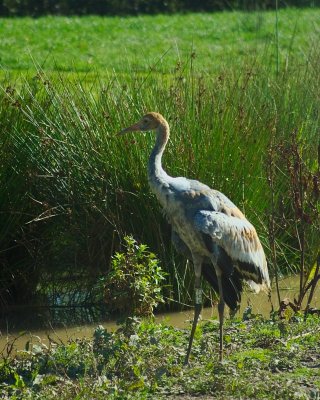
pixel 208 229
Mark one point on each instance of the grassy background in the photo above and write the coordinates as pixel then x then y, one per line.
pixel 70 190
pixel 123 44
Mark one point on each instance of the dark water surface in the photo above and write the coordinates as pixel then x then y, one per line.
pixel 61 325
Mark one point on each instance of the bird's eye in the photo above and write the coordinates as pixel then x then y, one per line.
pixel 145 121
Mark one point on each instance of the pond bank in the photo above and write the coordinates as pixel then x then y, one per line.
pixel 264 359
pixel 42 324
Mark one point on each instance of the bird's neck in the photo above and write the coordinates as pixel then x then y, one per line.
pixel 157 176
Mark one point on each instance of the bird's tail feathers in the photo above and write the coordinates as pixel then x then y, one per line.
pixel 258 287
pixel 231 285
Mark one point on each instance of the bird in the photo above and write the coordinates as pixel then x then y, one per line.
pixel 208 229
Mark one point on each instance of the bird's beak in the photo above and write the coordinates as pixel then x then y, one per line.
pixel 132 128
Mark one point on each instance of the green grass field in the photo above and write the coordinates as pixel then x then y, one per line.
pixel 139 43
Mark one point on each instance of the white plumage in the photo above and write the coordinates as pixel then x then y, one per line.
pixel 240 241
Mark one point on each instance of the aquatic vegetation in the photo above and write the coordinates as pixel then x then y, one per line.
pixel 147 362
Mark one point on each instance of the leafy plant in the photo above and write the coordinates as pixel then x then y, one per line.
pixel 133 284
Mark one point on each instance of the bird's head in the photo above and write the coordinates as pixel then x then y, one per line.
pixel 148 122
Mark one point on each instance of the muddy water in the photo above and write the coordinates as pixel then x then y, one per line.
pixel 259 303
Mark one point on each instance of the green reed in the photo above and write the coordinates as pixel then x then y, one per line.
pixel 71 189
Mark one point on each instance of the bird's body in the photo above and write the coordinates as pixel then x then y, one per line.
pixel 207 228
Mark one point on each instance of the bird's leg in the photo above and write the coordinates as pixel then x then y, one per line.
pixel 197 307
pixel 221 313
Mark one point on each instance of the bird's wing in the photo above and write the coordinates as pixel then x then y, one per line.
pixel 238 238
pixel 194 195
pixel 231 284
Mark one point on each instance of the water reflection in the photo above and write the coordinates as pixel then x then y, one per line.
pixel 62 324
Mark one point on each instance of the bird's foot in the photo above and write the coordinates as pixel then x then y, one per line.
pixel 186 363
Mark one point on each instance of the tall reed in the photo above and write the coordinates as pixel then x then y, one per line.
pixel 71 190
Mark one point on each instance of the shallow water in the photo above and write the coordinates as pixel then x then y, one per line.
pixel 32 332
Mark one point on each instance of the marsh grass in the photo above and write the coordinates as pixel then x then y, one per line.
pixel 71 189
